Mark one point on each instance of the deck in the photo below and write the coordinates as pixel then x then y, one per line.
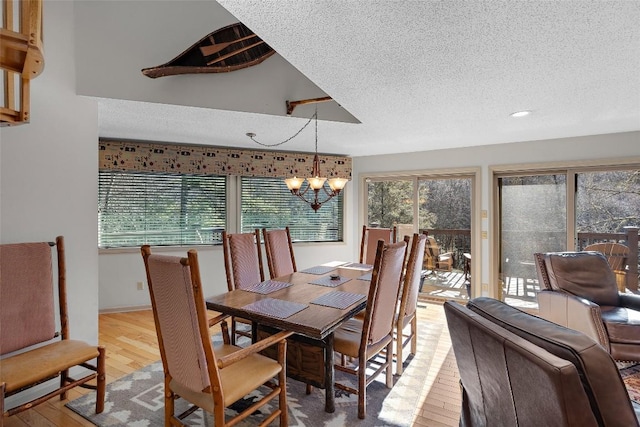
pixel 517 291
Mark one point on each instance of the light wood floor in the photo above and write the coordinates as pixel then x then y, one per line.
pixel 131 343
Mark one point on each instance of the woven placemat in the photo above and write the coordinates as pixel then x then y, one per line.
pixel 338 299
pixel 318 269
pixel 366 277
pixel 267 287
pixel 329 282
pixel 275 307
pixel 358 266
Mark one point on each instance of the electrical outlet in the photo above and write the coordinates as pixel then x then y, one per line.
pixel 141 286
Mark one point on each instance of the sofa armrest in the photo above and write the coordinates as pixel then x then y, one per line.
pixel 631 301
pixel 574 313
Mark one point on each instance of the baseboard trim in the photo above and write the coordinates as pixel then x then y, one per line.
pixel 124 309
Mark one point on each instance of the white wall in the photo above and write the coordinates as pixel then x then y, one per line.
pixel 48 171
pixel 586 148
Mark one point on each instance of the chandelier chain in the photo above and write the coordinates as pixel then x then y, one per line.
pixel 315 115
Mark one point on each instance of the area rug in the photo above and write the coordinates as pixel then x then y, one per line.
pixel 631 377
pixel 137 400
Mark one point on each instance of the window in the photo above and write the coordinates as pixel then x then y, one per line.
pixel 390 202
pixel 607 201
pixel 267 203
pixel 137 208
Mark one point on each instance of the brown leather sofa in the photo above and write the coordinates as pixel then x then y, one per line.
pixel 517 369
pixel 580 292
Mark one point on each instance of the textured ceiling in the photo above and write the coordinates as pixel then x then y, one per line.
pixel 418 75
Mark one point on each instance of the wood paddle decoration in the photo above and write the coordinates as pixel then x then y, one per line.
pixel 227 49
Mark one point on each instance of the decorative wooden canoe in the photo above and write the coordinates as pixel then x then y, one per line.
pixel 230 48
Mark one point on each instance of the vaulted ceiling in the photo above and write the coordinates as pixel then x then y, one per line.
pixel 405 75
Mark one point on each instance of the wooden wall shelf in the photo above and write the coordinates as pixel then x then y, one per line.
pixel 21 57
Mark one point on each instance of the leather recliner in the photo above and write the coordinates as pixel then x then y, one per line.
pixel 517 369
pixel 580 292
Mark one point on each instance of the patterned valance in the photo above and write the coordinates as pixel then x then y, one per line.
pixel 208 160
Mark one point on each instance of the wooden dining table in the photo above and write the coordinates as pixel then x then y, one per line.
pixel 313 323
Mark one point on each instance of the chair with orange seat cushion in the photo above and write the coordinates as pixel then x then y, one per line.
pixel 29 299
pixel 211 378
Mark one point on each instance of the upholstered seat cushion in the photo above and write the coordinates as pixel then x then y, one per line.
pixel 598 372
pixel 347 339
pixel 41 363
pixel 623 324
pixel 238 379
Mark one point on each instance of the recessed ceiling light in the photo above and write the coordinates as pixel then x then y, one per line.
pixel 520 113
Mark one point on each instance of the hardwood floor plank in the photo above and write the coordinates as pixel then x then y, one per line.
pixel 131 343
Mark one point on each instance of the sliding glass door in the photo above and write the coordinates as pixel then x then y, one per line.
pixel 561 210
pixel 533 218
pixel 439 205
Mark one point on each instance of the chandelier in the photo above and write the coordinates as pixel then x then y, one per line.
pixel 315 193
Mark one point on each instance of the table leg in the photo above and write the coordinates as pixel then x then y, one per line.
pixel 329 405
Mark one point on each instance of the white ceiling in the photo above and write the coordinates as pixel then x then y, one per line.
pixel 418 75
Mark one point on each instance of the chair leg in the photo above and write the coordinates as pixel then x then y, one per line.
pixel 63 381
pixel 389 363
pixel 309 389
pixel 282 399
pixel 3 386
pixel 282 382
pixel 168 403
pixel 399 343
pixel 101 379
pixel 414 335
pixel 233 331
pixel 362 386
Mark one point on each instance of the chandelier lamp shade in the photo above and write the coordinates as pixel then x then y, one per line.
pixel 314 192
pixel 315 183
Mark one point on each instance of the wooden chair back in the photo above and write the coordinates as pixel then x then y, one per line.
pixel 409 300
pixel 280 257
pixel 243 267
pixel 242 259
pixel 369 242
pixel 26 292
pixel 434 258
pixel 385 286
pixel 177 324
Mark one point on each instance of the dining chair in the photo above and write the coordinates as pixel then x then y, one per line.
pixel 280 257
pixel 366 338
pixel 435 259
pixel 369 242
pixel 208 377
pixel 243 267
pixel 409 301
pixel 35 340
